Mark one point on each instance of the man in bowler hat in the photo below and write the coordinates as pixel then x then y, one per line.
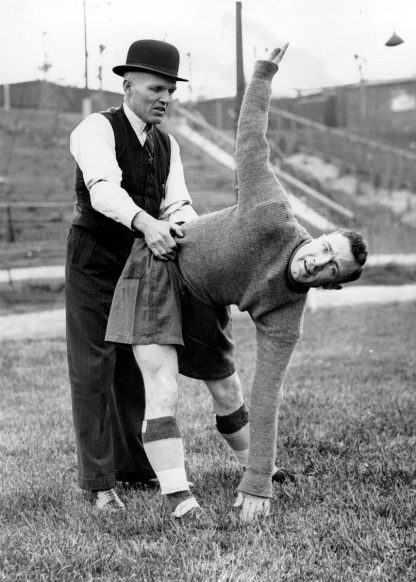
pixel 129 183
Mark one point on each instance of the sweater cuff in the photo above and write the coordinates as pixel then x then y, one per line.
pixel 265 70
pixel 256 484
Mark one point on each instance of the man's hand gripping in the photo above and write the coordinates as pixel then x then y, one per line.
pixel 158 235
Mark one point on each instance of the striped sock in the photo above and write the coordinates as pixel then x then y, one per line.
pixel 164 448
pixel 235 428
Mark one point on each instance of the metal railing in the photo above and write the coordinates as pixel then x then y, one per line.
pixel 385 166
pixel 226 142
pixel 198 122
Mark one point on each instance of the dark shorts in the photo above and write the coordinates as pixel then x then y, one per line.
pixel 152 304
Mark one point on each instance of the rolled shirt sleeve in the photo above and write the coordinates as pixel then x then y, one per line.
pixel 183 213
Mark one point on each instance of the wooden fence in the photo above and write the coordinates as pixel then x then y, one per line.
pixel 33 233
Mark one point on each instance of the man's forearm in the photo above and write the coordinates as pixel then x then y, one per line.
pixel 256 180
pixel 111 200
pixel 273 357
pixel 254 113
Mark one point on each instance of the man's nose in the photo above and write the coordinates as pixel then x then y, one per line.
pixel 165 97
pixel 321 260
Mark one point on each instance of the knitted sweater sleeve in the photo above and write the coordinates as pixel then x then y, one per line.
pixel 277 336
pixel 256 180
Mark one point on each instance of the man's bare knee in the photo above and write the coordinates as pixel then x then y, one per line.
pixel 227 394
pixel 157 361
pixel 159 367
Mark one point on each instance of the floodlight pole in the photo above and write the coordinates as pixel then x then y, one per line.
pixel 239 63
pixel 85 45
pixel 363 91
pixel 240 77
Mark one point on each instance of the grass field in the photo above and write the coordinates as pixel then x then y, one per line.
pixel 347 428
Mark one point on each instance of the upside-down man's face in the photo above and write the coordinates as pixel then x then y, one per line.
pixel 323 262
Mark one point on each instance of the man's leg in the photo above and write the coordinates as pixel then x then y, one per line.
pixel 231 414
pixel 91 364
pixel 127 406
pixel 232 420
pixel 89 289
pixel 161 437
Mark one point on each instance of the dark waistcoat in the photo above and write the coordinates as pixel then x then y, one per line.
pixel 144 180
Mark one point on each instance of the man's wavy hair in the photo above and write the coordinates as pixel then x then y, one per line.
pixel 359 251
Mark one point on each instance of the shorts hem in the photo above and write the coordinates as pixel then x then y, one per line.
pixel 207 376
pixel 144 341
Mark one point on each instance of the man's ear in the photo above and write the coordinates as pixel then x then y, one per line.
pixel 332 286
pixel 126 86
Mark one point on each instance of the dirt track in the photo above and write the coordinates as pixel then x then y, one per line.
pixel 52 323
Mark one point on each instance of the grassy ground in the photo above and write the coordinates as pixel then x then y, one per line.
pixel 346 428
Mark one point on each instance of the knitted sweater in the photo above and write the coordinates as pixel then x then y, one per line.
pixel 240 256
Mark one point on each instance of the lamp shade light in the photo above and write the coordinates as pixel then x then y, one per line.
pixel 394 40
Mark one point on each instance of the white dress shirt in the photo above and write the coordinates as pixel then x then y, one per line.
pixel 92 144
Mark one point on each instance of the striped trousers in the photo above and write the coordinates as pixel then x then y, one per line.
pixel 106 384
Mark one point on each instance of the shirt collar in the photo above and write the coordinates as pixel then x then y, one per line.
pixel 291 283
pixel 138 124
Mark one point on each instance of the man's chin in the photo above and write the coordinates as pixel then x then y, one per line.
pixel 156 119
pixel 306 281
pixel 300 281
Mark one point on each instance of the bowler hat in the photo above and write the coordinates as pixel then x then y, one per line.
pixel 154 56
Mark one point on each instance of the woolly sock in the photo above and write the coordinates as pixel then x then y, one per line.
pixel 234 428
pixel 163 445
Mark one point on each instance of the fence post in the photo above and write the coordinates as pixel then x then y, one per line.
pixel 388 180
pixel 10 230
pixel 6 97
